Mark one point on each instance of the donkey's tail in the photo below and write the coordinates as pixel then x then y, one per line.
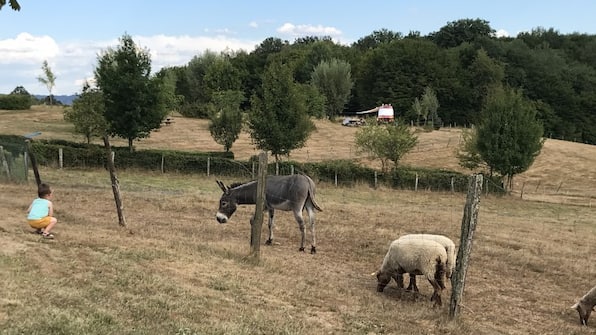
pixel 311 194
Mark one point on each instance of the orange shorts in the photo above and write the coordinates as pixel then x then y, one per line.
pixel 40 223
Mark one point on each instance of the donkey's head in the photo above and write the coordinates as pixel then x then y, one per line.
pixel 227 204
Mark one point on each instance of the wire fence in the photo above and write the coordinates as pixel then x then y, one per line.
pixel 14 167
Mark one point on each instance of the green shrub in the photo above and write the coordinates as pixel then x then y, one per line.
pixel 15 101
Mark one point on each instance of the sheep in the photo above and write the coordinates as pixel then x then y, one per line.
pixel 449 248
pixel 417 256
pixel 585 306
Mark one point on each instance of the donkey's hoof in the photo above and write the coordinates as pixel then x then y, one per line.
pixel 301 249
pixel 313 250
pixel 269 242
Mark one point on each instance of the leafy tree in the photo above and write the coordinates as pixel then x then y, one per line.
pixel 417 108
pixel 430 105
pixel 509 137
pixel 134 101
pixel 460 31
pixel 385 142
pixel 48 79
pixel 20 90
pixel 226 120
pixel 278 121
pixel 198 94
pixel 314 99
pixel 334 80
pixel 87 113
pixel 378 37
pixel 168 94
pixel 14 4
pixel 467 152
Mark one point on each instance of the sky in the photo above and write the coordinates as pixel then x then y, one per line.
pixel 71 34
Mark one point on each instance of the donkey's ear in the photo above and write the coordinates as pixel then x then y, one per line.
pixel 221 185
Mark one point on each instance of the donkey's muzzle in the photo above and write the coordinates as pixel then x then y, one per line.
pixel 221 218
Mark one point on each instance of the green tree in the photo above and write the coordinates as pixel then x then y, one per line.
pixel 334 80
pixel 388 143
pixel 509 137
pixel 417 108
pixel 87 113
pixel 14 4
pixel 278 121
pixel 226 119
pixel 460 31
pixel 430 105
pixel 134 101
pixel 48 79
pixel 467 152
pixel 20 90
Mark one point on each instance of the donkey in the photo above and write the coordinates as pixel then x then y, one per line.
pixel 287 193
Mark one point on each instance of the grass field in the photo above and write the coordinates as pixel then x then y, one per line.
pixel 175 270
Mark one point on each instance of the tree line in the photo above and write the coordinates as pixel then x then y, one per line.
pixel 277 88
pixel 460 62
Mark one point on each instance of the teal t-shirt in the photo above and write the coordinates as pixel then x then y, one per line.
pixel 39 209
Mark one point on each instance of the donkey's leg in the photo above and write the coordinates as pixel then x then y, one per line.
pixel 311 218
pixel 270 239
pixel 300 220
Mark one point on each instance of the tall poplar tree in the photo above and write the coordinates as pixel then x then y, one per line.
pixel 278 121
pixel 48 79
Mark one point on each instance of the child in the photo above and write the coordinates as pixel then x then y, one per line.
pixel 41 212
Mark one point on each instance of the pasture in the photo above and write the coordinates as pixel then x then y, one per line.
pixel 175 270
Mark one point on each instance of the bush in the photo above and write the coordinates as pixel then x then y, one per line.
pixel 15 101
pixel 344 172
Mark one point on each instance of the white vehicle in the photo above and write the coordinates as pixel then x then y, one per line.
pixel 385 114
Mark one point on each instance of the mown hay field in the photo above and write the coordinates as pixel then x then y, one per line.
pixel 175 270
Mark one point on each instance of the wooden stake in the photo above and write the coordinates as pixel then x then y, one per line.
pixel 468 226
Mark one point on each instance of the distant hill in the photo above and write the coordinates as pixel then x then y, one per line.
pixel 64 99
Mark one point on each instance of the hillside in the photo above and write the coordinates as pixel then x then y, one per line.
pixel 174 270
pixel 561 173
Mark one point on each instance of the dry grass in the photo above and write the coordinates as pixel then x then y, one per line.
pixel 174 270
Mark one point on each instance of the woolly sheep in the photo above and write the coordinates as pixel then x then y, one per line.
pixel 416 256
pixel 449 248
pixel 585 306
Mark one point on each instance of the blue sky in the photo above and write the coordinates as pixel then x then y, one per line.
pixel 70 34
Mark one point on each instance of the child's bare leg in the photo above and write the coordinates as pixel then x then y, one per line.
pixel 49 227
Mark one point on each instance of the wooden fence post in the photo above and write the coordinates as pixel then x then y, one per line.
pixel 257 220
pixel 114 179
pixel 61 157
pixel 468 226
pixel 4 162
pixel 33 163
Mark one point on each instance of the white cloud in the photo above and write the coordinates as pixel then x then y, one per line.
pixel 308 30
pixel 253 24
pixel 73 62
pixel 501 33
pixel 26 48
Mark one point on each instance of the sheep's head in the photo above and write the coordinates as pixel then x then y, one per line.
pixel 584 313
pixel 383 278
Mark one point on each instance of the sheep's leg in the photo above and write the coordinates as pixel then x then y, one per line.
pixel 300 220
pixel 412 286
pixel 436 297
pixel 270 239
pixel 399 279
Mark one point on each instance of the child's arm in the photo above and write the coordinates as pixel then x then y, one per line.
pixel 50 209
